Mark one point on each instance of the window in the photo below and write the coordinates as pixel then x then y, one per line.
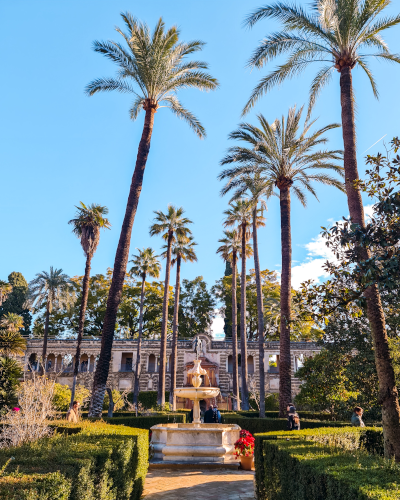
pixel 250 364
pixel 152 363
pixel 230 364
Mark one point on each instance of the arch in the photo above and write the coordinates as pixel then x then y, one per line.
pixel 250 364
pixel 152 364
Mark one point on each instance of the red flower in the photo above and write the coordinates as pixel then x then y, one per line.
pixel 244 445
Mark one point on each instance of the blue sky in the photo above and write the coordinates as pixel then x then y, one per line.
pixel 59 147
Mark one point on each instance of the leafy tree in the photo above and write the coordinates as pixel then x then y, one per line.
pixel 229 251
pixel 14 299
pixel 62 396
pixel 182 251
pixel 171 226
pixel 285 158
pixel 144 264
pixel 10 376
pixel 11 341
pixel 197 308
pixel 154 69
pixel 86 226
pixel 52 290
pixel 344 34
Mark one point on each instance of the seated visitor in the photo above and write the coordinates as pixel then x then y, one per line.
pixel 293 418
pixel 73 413
pixel 356 418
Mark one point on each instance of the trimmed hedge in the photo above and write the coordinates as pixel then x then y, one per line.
pixel 309 415
pixel 255 425
pixel 101 461
pixel 147 422
pixel 305 470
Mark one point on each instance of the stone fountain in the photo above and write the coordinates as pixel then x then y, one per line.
pixel 195 442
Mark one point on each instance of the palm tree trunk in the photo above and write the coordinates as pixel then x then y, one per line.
pixel 120 263
pixel 285 381
pixel 174 360
pixel 164 327
pixel 243 326
pixel 139 346
pixel 236 400
pixel 42 369
pixel 388 394
pixel 260 316
pixel 82 314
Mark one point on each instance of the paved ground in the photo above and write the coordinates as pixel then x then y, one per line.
pixel 193 484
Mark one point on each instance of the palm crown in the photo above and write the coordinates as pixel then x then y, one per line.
pixel 52 288
pixel 5 290
pixel 87 224
pixel 231 243
pixel 12 322
pixel 11 341
pixel 338 33
pixel 145 264
pixel 171 223
pixel 183 249
pixel 153 68
pixel 241 213
pixel 282 156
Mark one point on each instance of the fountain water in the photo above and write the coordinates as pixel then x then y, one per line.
pixel 195 442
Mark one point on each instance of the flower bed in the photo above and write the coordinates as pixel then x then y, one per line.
pixel 244 446
pixel 100 461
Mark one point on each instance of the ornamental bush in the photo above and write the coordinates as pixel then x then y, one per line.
pixel 92 460
pixel 306 470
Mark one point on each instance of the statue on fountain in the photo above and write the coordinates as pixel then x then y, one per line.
pixel 197 346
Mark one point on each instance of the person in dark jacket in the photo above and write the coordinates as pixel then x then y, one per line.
pixel 293 418
pixel 208 415
pixel 216 415
pixel 356 418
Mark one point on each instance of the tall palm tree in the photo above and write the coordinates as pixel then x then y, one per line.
pixel 86 226
pixel 144 264
pixel 343 34
pixel 257 188
pixel 171 225
pixel 54 290
pixel 11 341
pixel 5 290
pixel 286 159
pixel 152 67
pixel 182 250
pixel 240 213
pixel 229 251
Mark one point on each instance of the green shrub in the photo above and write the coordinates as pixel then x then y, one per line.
pixel 309 415
pixel 255 425
pixel 148 422
pixel 371 440
pixel 295 468
pixel 62 396
pixel 148 399
pixel 107 459
pixel 119 402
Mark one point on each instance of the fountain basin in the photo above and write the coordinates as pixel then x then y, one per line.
pixel 197 392
pixel 194 442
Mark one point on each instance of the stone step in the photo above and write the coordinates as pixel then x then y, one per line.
pixel 160 464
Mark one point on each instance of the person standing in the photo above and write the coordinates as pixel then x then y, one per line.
pixel 208 415
pixel 293 418
pixel 356 418
pixel 216 415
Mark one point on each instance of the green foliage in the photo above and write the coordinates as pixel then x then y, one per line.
pixel 10 376
pixel 109 460
pixel 148 399
pixel 148 422
pixel 255 425
pixel 301 469
pixel 119 402
pixel 196 308
pixel 62 396
pixel 16 301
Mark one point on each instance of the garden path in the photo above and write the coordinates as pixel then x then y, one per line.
pixel 199 484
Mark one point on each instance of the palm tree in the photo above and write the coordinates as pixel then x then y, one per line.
pixel 86 226
pixel 11 341
pixel 240 213
pixel 257 187
pixel 5 290
pixel 153 68
pixel 229 251
pixel 182 250
pixel 54 290
pixel 145 264
pixel 172 225
pixel 344 35
pixel 286 160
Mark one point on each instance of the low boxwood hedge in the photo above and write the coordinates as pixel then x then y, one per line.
pixel 306 470
pixel 309 415
pixel 101 461
pixel 147 422
pixel 255 425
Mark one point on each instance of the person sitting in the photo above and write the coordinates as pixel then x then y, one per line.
pixel 73 413
pixel 293 418
pixel 356 418
pixel 208 415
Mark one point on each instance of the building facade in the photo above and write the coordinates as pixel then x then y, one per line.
pixel 216 359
